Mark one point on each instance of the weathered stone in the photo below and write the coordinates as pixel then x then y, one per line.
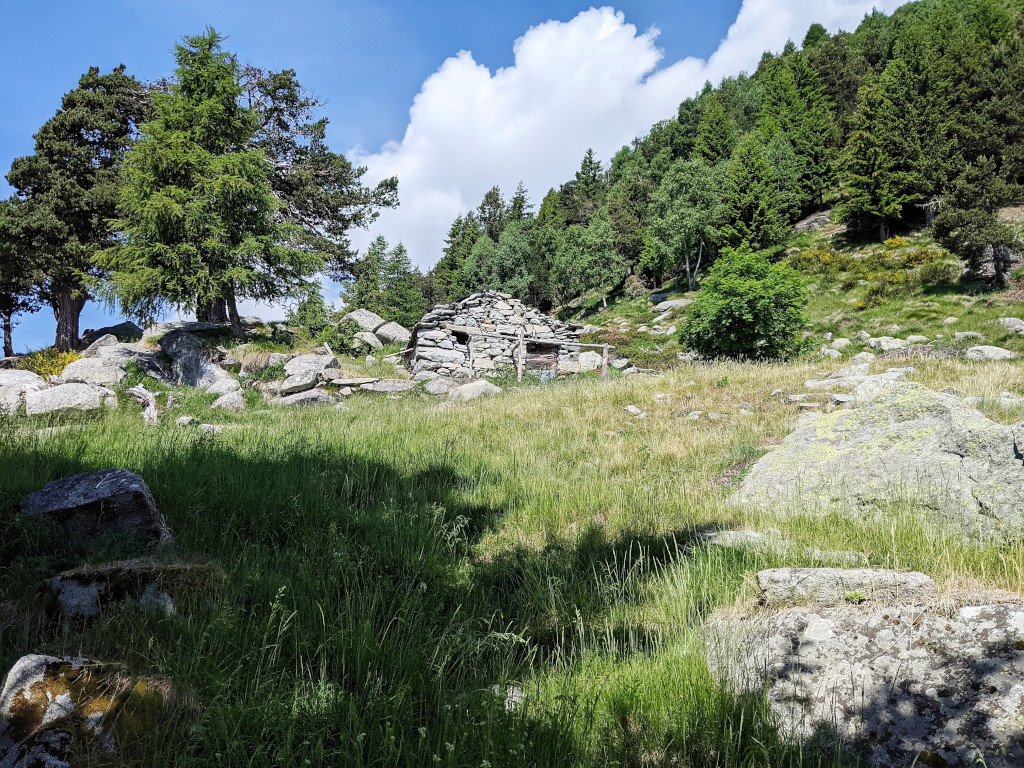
pixel 438 386
pixel 473 390
pixel 935 686
pixel 887 343
pixel 66 397
pixel 93 504
pixel 902 441
pixel 917 339
pixel 965 335
pixel 82 593
pixel 109 340
pixel 840 343
pixel 665 306
pixel 309 365
pixel 393 333
pixel 353 381
pixel 863 336
pixel 300 382
pixel 368 340
pixel 278 358
pixel 862 357
pixel 390 385
pixel 590 361
pixel 184 326
pixel 57 710
pixel 365 319
pixel 985 354
pixel 230 401
pixel 950 321
pixel 1012 324
pixel 126 331
pixel 210 429
pixel 426 376
pixel 311 397
pixel 836 586
pixel 94 370
pixel 10 377
pixel 189 365
pixel 185 421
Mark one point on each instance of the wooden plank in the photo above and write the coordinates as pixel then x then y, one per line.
pixel 522 353
pixel 604 362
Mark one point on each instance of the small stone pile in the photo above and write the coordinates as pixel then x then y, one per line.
pixel 448 339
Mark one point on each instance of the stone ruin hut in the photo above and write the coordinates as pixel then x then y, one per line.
pixel 491 331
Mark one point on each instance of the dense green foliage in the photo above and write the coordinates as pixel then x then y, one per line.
pixel 877 123
pixel 387 283
pixel 748 307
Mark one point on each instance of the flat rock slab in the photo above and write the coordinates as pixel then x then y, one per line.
pixel 439 386
pixel 665 306
pixel 50 706
pixel 161 329
pixel 312 397
pixel 309 365
pixel 352 381
pixel 10 377
pixel 164 588
pixel 300 382
pixel 904 441
pixel 839 586
pixel 369 339
pixel 93 504
pixel 985 354
pixel 390 385
pixel 65 397
pixel 942 687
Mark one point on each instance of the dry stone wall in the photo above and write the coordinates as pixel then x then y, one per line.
pixel 450 338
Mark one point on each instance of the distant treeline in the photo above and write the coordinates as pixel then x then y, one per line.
pixel 914 112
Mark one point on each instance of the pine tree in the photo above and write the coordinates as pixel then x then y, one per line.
pixel 754 210
pixel 18 294
pixel 878 166
pixel 199 217
pixel 68 190
pixel 715 137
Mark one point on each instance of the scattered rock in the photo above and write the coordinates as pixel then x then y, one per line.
pixel 50 706
pixel 812 223
pixel 665 306
pixel 633 410
pixel 829 352
pixel 300 382
pixel 65 397
pixel 963 335
pixel 949 321
pixel 473 390
pixel 390 385
pixel 862 357
pixel 126 331
pixel 840 343
pixel 904 440
pixel 224 386
pixel 189 365
pixel 311 397
pixel 210 429
pixel 368 339
pixel 1012 324
pixel 353 381
pixel 185 421
pixel 309 365
pixel 368 321
pixel 439 386
pixel 231 401
pixel 985 354
pixel 90 370
pixel 393 333
pixel 156 586
pixel 917 339
pixel 590 361
pixel 93 504
pixel 837 586
pixel 863 336
pixel 887 343
pixel 370 361
pixel 841 400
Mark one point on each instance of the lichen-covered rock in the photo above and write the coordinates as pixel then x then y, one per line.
pixel 231 401
pixel 105 372
pixel 836 586
pixel 312 397
pixel 905 441
pixel 368 339
pixel 93 504
pixel 165 588
pixel 473 390
pixel 65 397
pixel 930 686
pixel 300 382
pixel 887 343
pixel 390 385
pixel 438 386
pixel 1012 324
pixel 309 365
pixel 985 354
pixel 393 333
pixel 49 705
pixel 189 365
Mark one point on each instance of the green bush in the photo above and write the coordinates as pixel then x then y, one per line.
pixel 748 307
pixel 47 362
pixel 939 272
pixel 634 287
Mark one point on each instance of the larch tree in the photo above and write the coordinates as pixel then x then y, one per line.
pixel 18 279
pixel 68 190
pixel 199 217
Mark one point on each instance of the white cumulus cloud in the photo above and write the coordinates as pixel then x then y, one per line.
pixel 594 81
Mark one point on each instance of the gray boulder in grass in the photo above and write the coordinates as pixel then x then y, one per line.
pixel 65 397
pixel 393 333
pixel 365 319
pixel 309 365
pixel 93 504
pixel 473 390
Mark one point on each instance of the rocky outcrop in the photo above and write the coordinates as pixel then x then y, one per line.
pixel 441 341
pixel 393 333
pixel 312 397
pixel 836 586
pixel 92 505
pixel 230 401
pixel 14 385
pixel 665 306
pixel 62 398
pixel 126 331
pixel 51 705
pixel 903 440
pixel 365 319
pixel 928 684
pixel 94 370
pixel 309 365
pixel 189 365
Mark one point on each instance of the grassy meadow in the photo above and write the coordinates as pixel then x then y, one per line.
pixel 514 581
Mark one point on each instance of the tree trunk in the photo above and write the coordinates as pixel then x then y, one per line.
pixel 881 231
pixel 604 296
pixel 236 321
pixel 689 277
pixel 214 312
pixel 67 308
pixel 8 340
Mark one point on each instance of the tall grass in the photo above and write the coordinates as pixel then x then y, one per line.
pixel 515 581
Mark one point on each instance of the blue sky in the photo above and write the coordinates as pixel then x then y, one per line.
pixel 399 95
